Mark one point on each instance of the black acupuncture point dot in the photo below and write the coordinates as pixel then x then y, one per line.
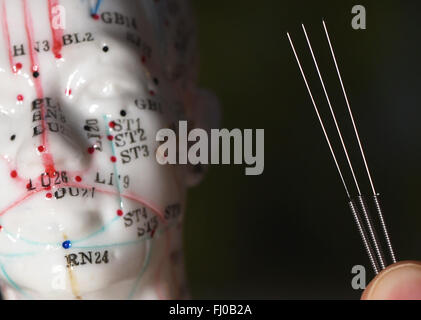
pixel 123 113
pixel 105 48
pixel 36 74
pixel 156 81
pixel 13 137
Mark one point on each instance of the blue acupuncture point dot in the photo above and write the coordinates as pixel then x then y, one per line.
pixel 67 244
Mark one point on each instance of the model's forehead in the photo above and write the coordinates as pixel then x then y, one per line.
pixel 68 23
pixel 159 31
pixel 71 38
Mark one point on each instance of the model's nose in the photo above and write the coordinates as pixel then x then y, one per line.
pixel 67 151
pixel 52 151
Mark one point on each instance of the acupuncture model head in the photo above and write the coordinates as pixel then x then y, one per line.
pixel 86 211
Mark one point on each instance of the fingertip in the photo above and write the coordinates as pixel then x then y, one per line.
pixel 400 281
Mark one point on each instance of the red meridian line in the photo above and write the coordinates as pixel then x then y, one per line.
pixel 11 168
pixel 7 36
pixel 29 34
pixel 151 206
pixel 48 161
pixel 130 197
pixel 135 198
pixel 18 202
pixel 47 158
pixel 57 34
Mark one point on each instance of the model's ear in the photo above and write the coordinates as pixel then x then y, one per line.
pixel 204 113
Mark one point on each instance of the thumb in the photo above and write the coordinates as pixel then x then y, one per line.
pixel 400 281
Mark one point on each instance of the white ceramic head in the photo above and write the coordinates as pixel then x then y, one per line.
pixel 86 212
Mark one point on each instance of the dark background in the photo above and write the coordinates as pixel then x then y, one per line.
pixel 288 233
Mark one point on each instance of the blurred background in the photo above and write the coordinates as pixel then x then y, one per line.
pixel 289 233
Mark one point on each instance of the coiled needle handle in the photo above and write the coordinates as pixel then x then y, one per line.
pixel 371 231
pixel 384 228
pixel 357 217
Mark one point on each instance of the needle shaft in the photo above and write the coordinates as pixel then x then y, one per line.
pixel 318 116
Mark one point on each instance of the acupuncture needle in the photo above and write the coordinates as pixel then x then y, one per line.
pixel 361 200
pixel 353 207
pixel 375 194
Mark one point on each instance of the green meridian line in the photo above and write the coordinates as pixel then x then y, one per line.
pixel 18 255
pixel 31 242
pixel 142 271
pixel 12 283
pixel 114 165
pixel 37 243
pixel 158 233
pixel 100 230
pixel 127 243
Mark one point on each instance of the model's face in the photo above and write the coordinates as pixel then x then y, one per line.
pixel 84 205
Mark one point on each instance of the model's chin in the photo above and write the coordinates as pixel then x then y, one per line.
pixel 80 272
pixel 120 290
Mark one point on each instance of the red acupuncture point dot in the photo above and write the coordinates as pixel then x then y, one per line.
pixel 28 186
pixel 95 16
pixel 41 149
pixel 20 97
pixel 68 92
pixel 111 124
pixel 13 174
pixel 18 66
pixel 48 195
pixel 119 212
pixel 91 150
pixel 78 179
pixel 152 93
pixel 113 159
pixel 1 228
pixel 110 138
pixel 58 56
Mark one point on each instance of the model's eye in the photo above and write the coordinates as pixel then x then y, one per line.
pixel 111 85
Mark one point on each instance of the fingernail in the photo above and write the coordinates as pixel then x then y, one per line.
pixel 401 281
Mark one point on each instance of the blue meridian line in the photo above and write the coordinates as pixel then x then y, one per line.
pixel 96 9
